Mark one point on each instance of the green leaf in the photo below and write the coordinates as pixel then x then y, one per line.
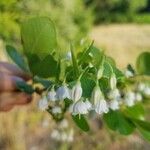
pixel 116 121
pixel 136 112
pixel 85 55
pixel 143 63
pixel 81 122
pixel 17 58
pixel 38 36
pixel 48 67
pixel 24 87
pixel 87 86
pixel 74 62
pixel 108 71
pixel 143 127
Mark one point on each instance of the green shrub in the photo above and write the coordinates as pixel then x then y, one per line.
pixel 71 18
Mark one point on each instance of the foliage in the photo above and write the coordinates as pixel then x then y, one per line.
pixel 107 11
pixel 88 83
pixel 71 24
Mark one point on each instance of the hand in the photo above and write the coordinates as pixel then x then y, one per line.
pixel 9 96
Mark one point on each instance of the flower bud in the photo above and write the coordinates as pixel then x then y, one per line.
pixel 114 104
pixel 128 74
pixel 76 92
pixel 130 98
pixel 56 110
pixel 52 95
pixel 113 81
pixel 147 91
pixel 100 72
pixel 138 97
pixel 62 92
pixel 96 94
pixel 43 104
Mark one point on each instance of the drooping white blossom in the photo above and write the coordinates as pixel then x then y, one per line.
pixel 141 87
pixel 78 107
pixel 138 97
pixel 63 92
pixel 55 134
pixel 113 81
pixel 68 56
pixel 76 91
pixel 130 98
pixel 43 103
pixel 51 95
pixel 63 124
pixel 96 94
pixel 101 106
pixel 114 94
pixel 128 73
pixel 88 105
pixel 56 110
pixel 146 91
pixel 114 104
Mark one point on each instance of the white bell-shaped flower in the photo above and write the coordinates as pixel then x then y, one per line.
pixel 68 56
pixel 100 72
pixel 130 98
pixel 63 124
pixel 128 74
pixel 141 87
pixel 56 110
pixel 78 107
pixel 62 93
pixel 114 94
pixel 96 94
pixel 138 97
pixel 55 134
pixel 76 92
pixel 88 105
pixel 52 95
pixel 146 91
pixel 114 104
pixel 101 106
pixel 113 81
pixel 43 103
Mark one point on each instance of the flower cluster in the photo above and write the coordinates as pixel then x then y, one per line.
pixel 63 133
pixel 98 102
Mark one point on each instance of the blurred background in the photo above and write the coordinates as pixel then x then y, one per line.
pixel 120 27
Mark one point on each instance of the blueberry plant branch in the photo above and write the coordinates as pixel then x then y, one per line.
pixel 81 82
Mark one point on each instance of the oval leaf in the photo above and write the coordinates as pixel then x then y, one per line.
pixel 143 63
pixel 38 36
pixel 17 58
pixel 81 122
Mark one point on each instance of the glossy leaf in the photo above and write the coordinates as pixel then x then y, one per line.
pixel 17 58
pixel 143 127
pixel 38 36
pixel 81 122
pixel 87 86
pixel 45 68
pixel 24 87
pixel 116 121
pixel 137 111
pixel 143 63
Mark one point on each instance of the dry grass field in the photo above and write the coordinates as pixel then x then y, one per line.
pixel 122 41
